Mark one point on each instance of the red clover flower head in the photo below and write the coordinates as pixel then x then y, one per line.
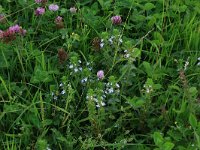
pixel 39 11
pixel 100 74
pixel 58 19
pixel 15 29
pixel 116 20
pixel 53 7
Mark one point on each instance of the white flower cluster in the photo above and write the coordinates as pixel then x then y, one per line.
pixel 127 55
pixel 75 67
pixel 118 39
pixel 111 89
pixel 86 79
pixel 63 91
pixel 148 88
pixel 97 99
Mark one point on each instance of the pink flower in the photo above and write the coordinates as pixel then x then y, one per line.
pixel 58 19
pixel 53 7
pixel 39 11
pixel 116 20
pixel 100 74
pixel 15 29
pixel 73 10
pixel 38 1
pixel 23 32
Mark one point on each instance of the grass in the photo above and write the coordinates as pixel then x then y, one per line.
pixel 51 96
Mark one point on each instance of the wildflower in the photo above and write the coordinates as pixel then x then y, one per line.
pixel 38 1
pixel 59 22
pixel 62 55
pixel 75 69
pixel 84 80
pixel 58 19
pixel 100 74
pixel 39 11
pixel 111 39
pixel 63 92
pixel 15 29
pixel 116 20
pixel 73 10
pixel 53 7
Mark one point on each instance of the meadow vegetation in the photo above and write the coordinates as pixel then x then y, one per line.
pixel 100 74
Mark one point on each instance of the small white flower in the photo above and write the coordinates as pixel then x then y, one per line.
pixel 103 104
pixel 117 85
pixel 75 69
pixel 101 45
pixel 127 55
pixel 84 80
pixel 111 90
pixel 125 51
pixel 198 64
pixel 61 84
pixel 198 58
pixel 111 39
pixel 71 66
pixel 52 93
pixel 63 92
pixel 79 61
pixel 87 64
